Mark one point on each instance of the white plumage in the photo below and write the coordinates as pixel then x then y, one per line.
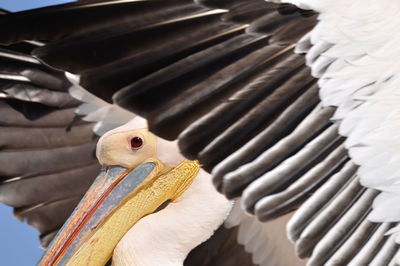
pixel 265 241
pixel 197 213
pixel 107 116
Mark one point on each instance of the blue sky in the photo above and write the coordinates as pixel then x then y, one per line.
pixel 19 244
pixel 19 5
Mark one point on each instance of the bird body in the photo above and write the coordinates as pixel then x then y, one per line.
pixel 167 236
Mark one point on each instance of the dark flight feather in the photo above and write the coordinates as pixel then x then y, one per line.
pixel 46 151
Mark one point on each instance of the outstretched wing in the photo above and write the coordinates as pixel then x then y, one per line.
pixel 46 152
pixel 227 84
pixel 50 114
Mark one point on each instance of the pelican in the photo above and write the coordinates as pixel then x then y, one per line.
pixel 150 172
pixel 143 236
pixel 291 106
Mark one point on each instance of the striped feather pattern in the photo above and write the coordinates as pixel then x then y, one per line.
pixel 46 151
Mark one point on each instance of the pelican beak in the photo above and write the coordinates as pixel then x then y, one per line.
pixel 118 198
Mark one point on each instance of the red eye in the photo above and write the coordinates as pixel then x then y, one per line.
pixel 136 143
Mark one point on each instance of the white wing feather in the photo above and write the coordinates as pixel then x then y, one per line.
pixel 357 39
pixel 354 52
pixel 263 240
pixel 108 116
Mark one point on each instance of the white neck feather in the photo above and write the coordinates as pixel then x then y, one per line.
pixel 166 237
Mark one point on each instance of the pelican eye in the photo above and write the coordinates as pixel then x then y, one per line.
pixel 136 143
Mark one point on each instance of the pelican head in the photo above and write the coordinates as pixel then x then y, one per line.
pixel 127 148
pixel 135 180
